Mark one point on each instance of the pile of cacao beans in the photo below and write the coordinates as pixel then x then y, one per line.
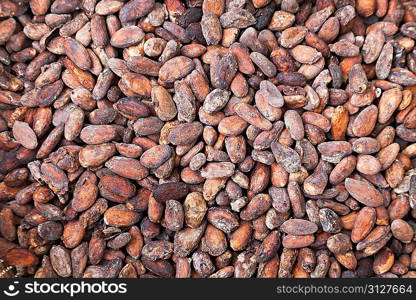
pixel 208 138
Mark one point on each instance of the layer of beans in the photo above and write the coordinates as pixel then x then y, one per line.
pixel 207 138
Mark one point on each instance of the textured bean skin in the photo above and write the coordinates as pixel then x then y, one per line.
pixel 207 139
